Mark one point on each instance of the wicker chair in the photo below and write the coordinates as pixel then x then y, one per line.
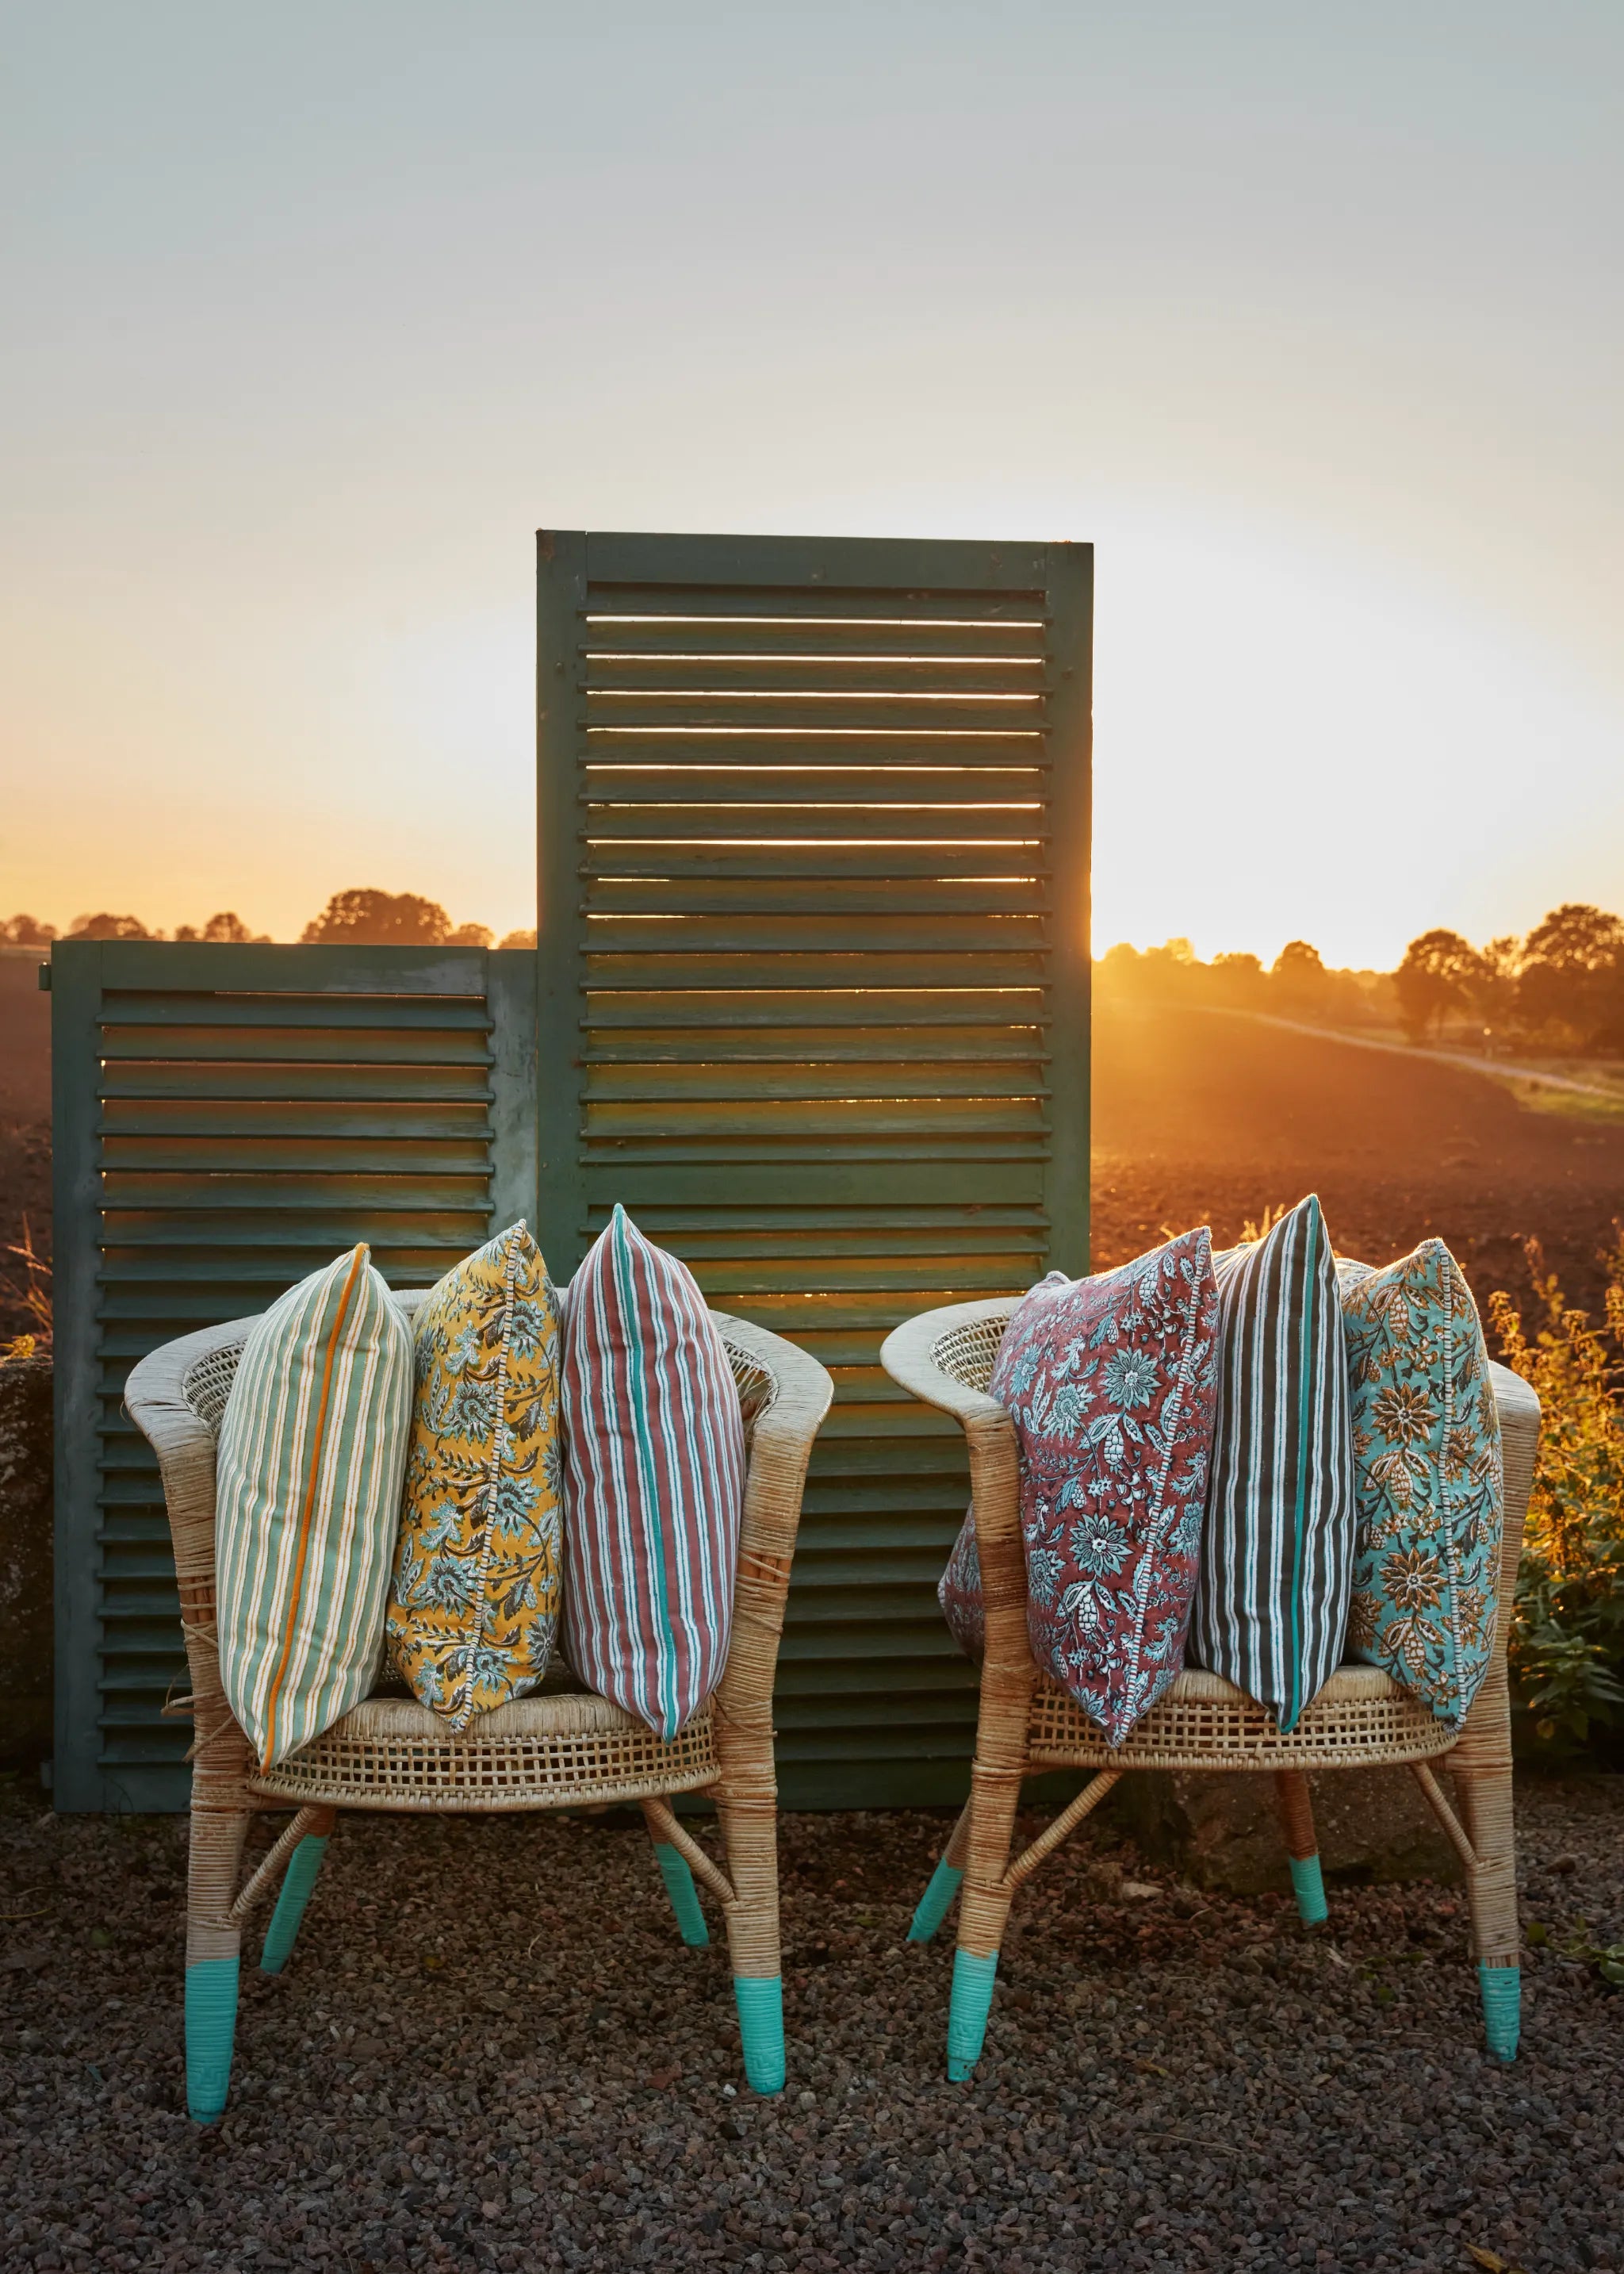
pixel 553 1750
pixel 1028 1725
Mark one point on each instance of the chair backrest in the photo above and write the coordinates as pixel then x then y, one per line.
pixel 208 1384
pixel 969 1353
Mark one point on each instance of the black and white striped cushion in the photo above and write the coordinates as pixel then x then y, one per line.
pixel 1272 1600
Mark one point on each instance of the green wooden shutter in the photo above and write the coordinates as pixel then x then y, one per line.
pixel 814 1003
pixel 228 1118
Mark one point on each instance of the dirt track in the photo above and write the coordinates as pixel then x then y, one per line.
pixel 1201 1116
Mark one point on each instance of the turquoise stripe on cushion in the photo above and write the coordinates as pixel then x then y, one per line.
pixel 1502 2008
pixel 967 2011
pixel 655 1451
pixel 666 1654
pixel 211 2032
pixel 1272 1601
pixel 1305 1407
pixel 760 2001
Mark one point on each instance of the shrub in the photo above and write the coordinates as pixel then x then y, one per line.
pixel 1567 1648
pixel 34 1295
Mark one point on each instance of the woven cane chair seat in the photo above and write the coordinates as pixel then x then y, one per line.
pixel 546 1752
pixel 1360 1720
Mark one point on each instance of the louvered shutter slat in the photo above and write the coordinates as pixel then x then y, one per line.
pixel 813 971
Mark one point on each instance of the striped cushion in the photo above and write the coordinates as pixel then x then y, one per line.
pixel 655 1481
pixel 1271 1605
pixel 312 1443
pixel 1427 1472
pixel 474 1605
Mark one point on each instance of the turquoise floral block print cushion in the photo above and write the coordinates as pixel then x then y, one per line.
pixel 1428 1476
pixel 1110 1382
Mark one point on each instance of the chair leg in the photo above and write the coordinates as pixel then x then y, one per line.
pixel 1296 1811
pixel 938 1900
pixel 213 1957
pixel 1485 1795
pixel 751 1827
pixel 674 1869
pixel 983 1913
pixel 300 1877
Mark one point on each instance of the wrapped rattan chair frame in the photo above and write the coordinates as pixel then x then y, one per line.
pixel 554 1749
pixel 1027 1725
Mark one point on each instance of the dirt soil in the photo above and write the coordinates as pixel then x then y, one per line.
pixel 490 2050
pixel 1208 1117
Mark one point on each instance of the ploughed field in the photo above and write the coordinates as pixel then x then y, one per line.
pixel 1210 1117
pixel 25 1123
pixel 1197 1116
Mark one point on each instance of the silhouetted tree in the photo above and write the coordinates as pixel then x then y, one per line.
pixel 361 917
pixel 1299 979
pixel 1572 978
pixel 108 927
pixel 471 935
pixel 1440 973
pixel 26 931
pixel 521 938
pixel 1237 979
pixel 225 928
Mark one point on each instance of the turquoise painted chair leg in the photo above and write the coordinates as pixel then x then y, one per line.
pixel 211 2032
pixel 966 2013
pixel 673 1868
pixel 761 2025
pixel 936 1902
pixel 1502 2008
pixel 1308 1885
pixel 297 1881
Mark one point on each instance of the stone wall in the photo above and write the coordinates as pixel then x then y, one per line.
pixel 25 1498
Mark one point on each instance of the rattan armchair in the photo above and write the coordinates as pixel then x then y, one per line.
pixel 553 1750
pixel 1028 1725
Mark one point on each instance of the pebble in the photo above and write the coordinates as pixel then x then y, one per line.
pixel 1190 2084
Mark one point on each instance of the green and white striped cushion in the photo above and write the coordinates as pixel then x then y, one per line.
pixel 312 1445
pixel 1272 1600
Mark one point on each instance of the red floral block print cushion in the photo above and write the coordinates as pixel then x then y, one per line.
pixel 1112 1385
pixel 959 1591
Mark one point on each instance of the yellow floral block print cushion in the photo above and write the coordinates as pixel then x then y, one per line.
pixel 474 1600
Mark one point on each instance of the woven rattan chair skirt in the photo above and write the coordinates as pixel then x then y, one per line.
pixel 1027 1725
pixel 557 1750
pixel 567 1752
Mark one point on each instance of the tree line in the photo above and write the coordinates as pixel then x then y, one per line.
pixel 358 917
pixel 1560 988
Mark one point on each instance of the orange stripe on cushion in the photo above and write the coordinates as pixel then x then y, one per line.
pixel 307 1510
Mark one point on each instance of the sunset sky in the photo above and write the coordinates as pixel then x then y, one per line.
pixel 1309 316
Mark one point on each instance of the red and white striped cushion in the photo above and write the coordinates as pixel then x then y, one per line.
pixel 655 1481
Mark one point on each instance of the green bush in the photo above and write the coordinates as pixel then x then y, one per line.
pixel 1567 1648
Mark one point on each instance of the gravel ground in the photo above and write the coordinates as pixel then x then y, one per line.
pixel 491 2051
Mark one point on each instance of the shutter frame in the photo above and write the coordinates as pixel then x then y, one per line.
pixel 681 906
pixel 417 1064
